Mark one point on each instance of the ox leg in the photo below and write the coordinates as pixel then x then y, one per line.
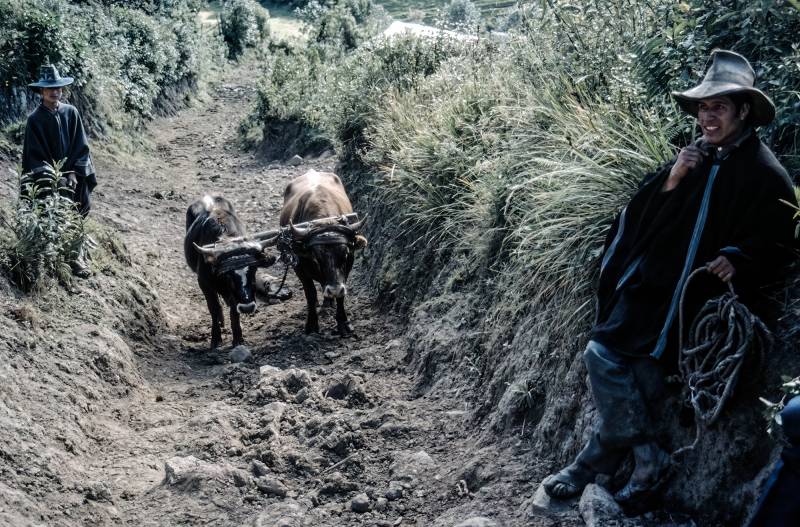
pixel 342 324
pixel 312 320
pixel 215 309
pixel 236 327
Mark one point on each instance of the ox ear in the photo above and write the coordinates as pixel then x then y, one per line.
pixel 361 242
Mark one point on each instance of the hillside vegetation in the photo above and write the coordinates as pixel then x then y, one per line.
pixel 130 60
pixel 492 169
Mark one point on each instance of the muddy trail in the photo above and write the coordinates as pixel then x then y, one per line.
pixel 310 430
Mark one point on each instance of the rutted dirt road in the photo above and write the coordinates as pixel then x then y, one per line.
pixel 313 430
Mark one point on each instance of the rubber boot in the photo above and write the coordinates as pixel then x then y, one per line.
pixel 79 265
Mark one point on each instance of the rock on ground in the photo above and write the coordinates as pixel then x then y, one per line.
pixel 477 521
pixel 240 353
pixel 598 508
pixel 410 465
pixel 360 503
pixel 288 513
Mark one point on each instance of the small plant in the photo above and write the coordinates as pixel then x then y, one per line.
pixel 790 388
pixel 46 231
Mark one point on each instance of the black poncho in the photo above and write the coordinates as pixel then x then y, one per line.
pixel 727 206
pixel 52 136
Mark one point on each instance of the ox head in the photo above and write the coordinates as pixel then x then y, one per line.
pixel 234 266
pixel 332 249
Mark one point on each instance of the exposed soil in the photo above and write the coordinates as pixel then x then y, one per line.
pixel 117 413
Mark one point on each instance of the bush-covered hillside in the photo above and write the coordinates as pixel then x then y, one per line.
pixel 129 59
pixel 492 169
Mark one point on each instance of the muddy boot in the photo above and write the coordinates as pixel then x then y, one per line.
pixel 79 265
pixel 569 482
pixel 653 468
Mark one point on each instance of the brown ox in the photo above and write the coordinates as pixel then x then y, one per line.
pixel 325 253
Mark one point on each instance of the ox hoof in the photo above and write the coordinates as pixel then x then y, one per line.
pixel 344 329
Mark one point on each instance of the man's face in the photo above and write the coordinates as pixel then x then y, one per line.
pixel 52 96
pixel 719 119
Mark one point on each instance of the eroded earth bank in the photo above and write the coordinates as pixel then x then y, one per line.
pixel 113 411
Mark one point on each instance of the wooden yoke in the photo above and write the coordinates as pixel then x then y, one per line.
pixel 344 219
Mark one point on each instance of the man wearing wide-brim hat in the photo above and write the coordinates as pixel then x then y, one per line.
pixel 54 133
pixel 716 205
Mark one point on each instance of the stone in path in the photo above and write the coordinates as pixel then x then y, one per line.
pixel 477 521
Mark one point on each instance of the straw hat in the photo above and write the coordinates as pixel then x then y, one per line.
pixel 49 78
pixel 729 73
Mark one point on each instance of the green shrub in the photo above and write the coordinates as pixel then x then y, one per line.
pixel 462 14
pixel 244 24
pixel 44 234
pixel 338 26
pixel 329 104
pixel 674 56
pixel 125 61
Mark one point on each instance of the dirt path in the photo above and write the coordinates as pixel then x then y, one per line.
pixel 293 436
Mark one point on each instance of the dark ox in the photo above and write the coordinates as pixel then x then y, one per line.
pixel 227 270
pixel 325 253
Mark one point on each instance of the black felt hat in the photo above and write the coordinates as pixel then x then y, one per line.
pixel 49 78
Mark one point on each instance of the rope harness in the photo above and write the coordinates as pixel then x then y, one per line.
pixel 720 338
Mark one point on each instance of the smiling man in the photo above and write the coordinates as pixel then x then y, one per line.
pixel 54 133
pixel 716 205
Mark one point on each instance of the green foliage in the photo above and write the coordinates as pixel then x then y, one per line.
pixel 342 25
pixel 462 15
pixel 790 389
pixel 332 102
pixel 45 232
pixel 513 158
pixel 244 24
pixel 765 31
pixel 125 60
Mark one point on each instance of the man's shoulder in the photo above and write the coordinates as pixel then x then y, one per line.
pixel 67 109
pixel 769 162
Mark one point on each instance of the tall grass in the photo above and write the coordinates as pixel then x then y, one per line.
pixel 531 158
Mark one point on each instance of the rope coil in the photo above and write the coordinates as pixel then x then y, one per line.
pixel 720 338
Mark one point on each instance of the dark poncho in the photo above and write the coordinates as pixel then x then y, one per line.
pixel 660 237
pixel 52 136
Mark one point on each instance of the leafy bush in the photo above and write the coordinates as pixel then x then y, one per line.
pixel 330 103
pixel 674 56
pixel 342 25
pixel 125 61
pixel 45 233
pixel 244 24
pixel 462 14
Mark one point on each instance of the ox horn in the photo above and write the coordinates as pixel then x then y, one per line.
pixel 357 225
pixel 268 242
pixel 299 233
pixel 208 253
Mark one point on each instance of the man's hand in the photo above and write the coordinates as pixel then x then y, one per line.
pixel 722 268
pixel 688 158
pixel 72 181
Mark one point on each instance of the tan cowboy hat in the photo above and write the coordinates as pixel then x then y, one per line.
pixel 729 73
pixel 49 78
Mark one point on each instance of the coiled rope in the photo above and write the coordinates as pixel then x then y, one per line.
pixel 711 359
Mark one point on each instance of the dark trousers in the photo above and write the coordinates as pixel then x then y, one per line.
pixel 625 390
